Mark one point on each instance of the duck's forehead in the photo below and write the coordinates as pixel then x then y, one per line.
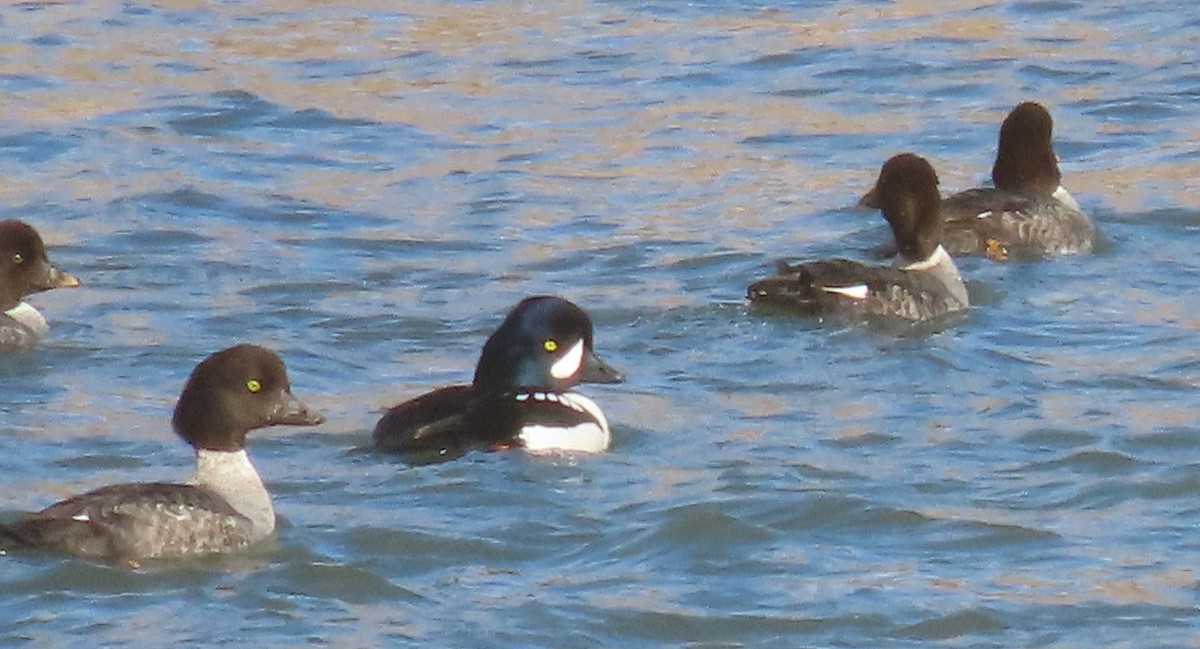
pixel 266 368
pixel 21 239
pixel 538 319
pixel 244 364
pixel 570 325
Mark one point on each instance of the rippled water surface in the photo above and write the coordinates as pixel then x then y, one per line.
pixel 368 190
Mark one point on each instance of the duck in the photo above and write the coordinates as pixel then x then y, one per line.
pixel 521 395
pixel 1028 212
pixel 225 507
pixel 25 269
pixel 921 284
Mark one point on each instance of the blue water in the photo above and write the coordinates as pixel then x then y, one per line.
pixel 368 190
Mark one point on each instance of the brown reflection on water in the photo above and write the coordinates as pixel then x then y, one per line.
pixel 110 67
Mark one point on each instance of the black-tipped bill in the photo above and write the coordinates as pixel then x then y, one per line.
pixel 595 370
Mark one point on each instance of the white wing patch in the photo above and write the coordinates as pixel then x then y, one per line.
pixel 569 364
pixel 856 292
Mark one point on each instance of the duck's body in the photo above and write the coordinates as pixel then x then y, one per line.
pixel 922 284
pixel 1027 212
pixel 917 291
pixel 992 223
pixel 141 521
pixel 521 395
pixel 24 269
pixel 224 508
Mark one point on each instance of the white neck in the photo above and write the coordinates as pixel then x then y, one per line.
pixel 941 266
pixel 30 317
pixel 230 475
pixel 1063 196
pixel 939 255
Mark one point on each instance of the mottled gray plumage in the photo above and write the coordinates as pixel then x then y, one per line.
pixel 813 288
pixel 994 223
pixel 137 521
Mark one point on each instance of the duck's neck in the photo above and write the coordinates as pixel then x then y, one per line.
pixel 230 475
pixel 940 265
pixel 30 317
pixel 1063 196
pixel 903 262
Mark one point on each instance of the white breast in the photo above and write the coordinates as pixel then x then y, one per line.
pixel 585 437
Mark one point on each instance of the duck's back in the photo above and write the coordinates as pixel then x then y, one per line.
pixel 979 220
pixel 430 422
pixel 853 289
pixel 144 520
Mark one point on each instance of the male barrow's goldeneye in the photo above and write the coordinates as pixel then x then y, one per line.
pixel 24 269
pixel 520 396
pixel 923 282
pixel 1028 212
pixel 223 508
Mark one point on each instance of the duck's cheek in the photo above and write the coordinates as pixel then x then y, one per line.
pixel 568 364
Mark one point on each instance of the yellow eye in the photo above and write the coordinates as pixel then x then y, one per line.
pixel 254 386
pixel 17 258
pixel 549 345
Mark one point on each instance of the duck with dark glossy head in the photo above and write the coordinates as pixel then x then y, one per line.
pixel 1027 212
pixel 225 507
pixel 521 395
pixel 922 283
pixel 24 269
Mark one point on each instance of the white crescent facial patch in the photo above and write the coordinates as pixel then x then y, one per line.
pixel 569 364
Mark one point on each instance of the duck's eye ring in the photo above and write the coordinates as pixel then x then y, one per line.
pixel 550 346
pixel 18 258
pixel 254 386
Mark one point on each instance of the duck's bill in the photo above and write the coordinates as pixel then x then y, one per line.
pixel 597 371
pixel 292 412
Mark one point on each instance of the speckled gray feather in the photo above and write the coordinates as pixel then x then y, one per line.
pixel 138 521
pixel 891 292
